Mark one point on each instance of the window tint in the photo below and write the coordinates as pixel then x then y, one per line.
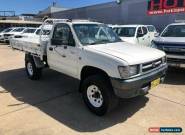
pixel 174 31
pixel 18 30
pixel 151 28
pixel 29 30
pixel 63 33
pixel 7 30
pixel 95 34
pixel 139 30
pixel 126 31
pixel 38 32
pixel 145 31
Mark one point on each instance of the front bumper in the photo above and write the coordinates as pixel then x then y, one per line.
pixel 137 86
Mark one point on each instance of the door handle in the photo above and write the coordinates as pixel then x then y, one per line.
pixel 51 48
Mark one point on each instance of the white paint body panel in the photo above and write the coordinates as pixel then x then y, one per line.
pixel 106 57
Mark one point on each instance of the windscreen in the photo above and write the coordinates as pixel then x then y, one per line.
pixel 174 31
pixel 92 34
pixel 151 28
pixel 125 31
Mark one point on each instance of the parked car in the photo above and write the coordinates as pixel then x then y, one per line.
pixel 152 31
pixel 15 31
pixel 28 32
pixel 172 42
pixel 91 52
pixel 32 33
pixel 134 34
pixel 4 32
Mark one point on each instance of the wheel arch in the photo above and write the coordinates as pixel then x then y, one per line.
pixel 90 70
pixel 37 60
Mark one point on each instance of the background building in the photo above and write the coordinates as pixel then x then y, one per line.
pixel 50 10
pixel 129 12
pixel 9 19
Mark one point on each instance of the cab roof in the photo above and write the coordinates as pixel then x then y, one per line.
pixel 130 25
pixel 68 21
pixel 178 23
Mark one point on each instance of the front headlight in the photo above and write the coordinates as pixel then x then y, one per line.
pixel 128 71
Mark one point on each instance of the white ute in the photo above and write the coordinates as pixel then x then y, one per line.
pixel 91 52
pixel 134 34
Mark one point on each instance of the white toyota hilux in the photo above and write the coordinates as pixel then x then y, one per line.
pixel 91 52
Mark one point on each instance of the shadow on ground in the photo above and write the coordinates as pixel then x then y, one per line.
pixel 175 76
pixel 57 96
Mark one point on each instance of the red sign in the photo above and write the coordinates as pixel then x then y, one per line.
pixel 156 7
pixel 154 130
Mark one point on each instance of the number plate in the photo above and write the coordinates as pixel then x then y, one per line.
pixel 155 83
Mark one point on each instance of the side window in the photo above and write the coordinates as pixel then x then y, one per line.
pixel 38 32
pixel 139 31
pixel 117 31
pixel 62 35
pixel 145 31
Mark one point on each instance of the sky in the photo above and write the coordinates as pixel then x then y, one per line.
pixel 33 6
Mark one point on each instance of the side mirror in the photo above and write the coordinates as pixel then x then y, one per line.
pixel 156 35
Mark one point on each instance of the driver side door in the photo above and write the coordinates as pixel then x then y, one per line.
pixel 62 52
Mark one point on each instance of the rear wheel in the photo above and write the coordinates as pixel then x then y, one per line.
pixel 32 71
pixel 98 94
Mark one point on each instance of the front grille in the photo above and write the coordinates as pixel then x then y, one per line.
pixel 175 53
pixel 176 61
pixel 151 65
pixel 172 48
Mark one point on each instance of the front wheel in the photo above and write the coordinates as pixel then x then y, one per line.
pixel 98 94
pixel 32 71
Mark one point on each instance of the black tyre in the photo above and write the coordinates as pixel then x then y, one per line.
pixel 98 94
pixel 32 71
